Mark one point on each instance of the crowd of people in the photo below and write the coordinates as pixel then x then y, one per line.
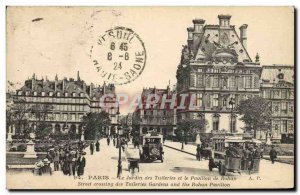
pixel 66 158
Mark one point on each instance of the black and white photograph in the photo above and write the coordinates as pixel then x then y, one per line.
pixel 150 98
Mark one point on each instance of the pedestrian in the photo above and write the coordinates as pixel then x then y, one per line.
pixel 47 167
pixel 38 167
pixel 256 153
pixel 198 152
pixel 80 164
pixel 66 166
pixel 251 159
pixel 136 143
pixel 114 141
pixel 69 163
pixel 56 160
pixel 72 163
pixel 61 157
pixel 273 154
pixel 262 151
pixel 123 144
pixel 108 141
pixel 97 146
pixel 92 148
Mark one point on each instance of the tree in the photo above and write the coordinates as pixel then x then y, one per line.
pixel 43 130
pixel 95 123
pixel 256 113
pixel 190 127
pixel 40 112
pixel 17 114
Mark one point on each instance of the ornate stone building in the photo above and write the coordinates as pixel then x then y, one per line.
pixel 64 102
pixel 155 117
pixel 216 68
pixel 277 85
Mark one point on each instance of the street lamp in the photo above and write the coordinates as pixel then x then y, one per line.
pixel 182 145
pixel 231 103
pixel 119 161
pixel 119 144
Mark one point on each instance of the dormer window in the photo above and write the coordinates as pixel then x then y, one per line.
pixel 280 76
pixel 35 93
pixel 50 93
pixel 74 94
pixel 19 92
pixel 43 93
pixel 27 93
pixel 58 94
pixel 66 94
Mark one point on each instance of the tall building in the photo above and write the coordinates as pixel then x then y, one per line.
pixel 277 85
pixel 147 118
pixel 64 102
pixel 216 68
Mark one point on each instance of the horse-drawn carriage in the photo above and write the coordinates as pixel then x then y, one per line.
pixel 152 147
pixel 228 154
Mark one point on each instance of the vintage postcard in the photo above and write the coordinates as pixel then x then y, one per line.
pixel 150 98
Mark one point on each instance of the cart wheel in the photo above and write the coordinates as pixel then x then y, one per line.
pixel 223 169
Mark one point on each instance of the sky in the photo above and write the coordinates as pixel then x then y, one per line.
pixel 60 42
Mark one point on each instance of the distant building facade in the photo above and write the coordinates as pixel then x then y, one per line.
pixel 216 67
pixel 154 118
pixel 67 101
pixel 277 86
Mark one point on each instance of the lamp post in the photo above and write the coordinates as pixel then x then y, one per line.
pixel 119 161
pixel 182 146
pixel 119 145
pixel 231 103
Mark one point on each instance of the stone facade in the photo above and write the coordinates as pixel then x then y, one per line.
pixel 66 101
pixel 155 118
pixel 216 67
pixel 277 86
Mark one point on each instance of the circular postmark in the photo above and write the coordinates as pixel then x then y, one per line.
pixel 119 55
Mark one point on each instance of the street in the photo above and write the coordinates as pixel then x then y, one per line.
pixel 101 172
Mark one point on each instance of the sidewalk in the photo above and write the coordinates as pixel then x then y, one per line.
pixel 189 148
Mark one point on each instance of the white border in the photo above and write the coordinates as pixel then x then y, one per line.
pixel 4 3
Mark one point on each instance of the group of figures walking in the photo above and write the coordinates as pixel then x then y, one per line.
pixel 68 159
pixel 93 146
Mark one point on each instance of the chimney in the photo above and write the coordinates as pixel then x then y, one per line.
pixel 198 25
pixel 198 32
pixel 78 77
pixel 243 35
pixel 190 37
pixel 91 89
pixel 224 21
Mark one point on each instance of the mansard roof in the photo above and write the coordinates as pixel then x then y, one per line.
pixel 65 85
pixel 278 74
pixel 216 43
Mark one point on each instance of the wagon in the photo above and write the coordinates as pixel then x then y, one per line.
pixel 133 158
